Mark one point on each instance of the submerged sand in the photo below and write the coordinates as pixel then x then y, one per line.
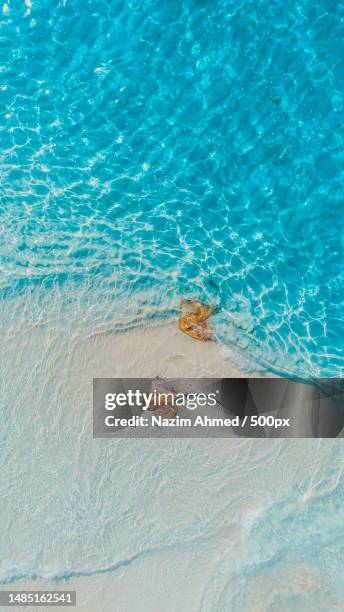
pixel 64 467
pixel 145 524
pixel 158 351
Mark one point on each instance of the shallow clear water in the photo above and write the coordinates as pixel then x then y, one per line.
pixel 152 150
pixel 181 149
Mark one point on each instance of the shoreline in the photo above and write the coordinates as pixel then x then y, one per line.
pixel 160 350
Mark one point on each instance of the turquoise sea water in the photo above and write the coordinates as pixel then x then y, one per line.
pixel 180 148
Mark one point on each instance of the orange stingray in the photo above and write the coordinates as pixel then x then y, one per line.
pixel 193 319
pixel 168 409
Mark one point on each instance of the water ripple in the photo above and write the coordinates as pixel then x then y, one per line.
pixel 187 149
